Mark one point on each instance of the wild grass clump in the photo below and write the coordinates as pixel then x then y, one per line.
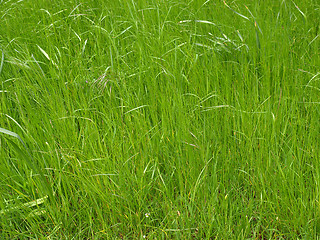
pixel 159 120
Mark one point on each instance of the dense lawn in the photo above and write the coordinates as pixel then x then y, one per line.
pixel 159 119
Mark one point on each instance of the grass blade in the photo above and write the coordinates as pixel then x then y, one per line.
pixel 304 16
pixel 27 158
pixel 2 61
pixel 13 134
pixel 236 12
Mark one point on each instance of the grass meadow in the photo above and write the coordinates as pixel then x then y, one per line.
pixel 159 119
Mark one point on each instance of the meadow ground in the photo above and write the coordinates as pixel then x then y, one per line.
pixel 159 119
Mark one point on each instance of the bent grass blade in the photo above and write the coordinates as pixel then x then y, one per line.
pixel 28 158
pixel 13 134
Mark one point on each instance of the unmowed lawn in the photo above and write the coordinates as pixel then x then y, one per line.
pixel 159 119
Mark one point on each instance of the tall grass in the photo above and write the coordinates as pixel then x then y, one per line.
pixel 159 119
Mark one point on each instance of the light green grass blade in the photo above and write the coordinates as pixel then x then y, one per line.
pixel 2 62
pixel 31 204
pixel 13 134
pixel 302 13
pixel 241 15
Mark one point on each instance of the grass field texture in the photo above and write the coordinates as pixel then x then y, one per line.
pixel 159 119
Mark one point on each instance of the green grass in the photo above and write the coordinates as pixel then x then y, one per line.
pixel 159 119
